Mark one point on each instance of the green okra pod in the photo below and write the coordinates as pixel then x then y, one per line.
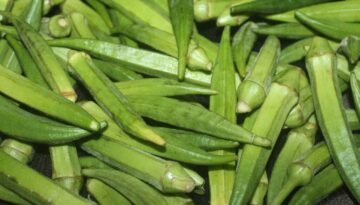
pixel 243 42
pixel 111 99
pixel 139 60
pixel 261 190
pixel 48 5
pixel 321 65
pixel 9 196
pixel 24 153
pixel 298 141
pixel 8 58
pixel 20 179
pixel 80 26
pixel 226 19
pixel 178 113
pixel 166 176
pixel 101 10
pixel 301 171
pixel 207 9
pixel 253 90
pixel 181 16
pixel 269 120
pixel 117 72
pixel 162 87
pixel 355 87
pixel 350 46
pixel 92 163
pixel 329 28
pixel 105 194
pixel 9 30
pixel 59 26
pixel 352 119
pixel 286 30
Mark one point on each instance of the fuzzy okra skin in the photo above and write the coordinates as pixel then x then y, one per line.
pixel 269 121
pixel 253 90
pixel 105 194
pixel 139 60
pixel 177 113
pixel 161 87
pixel 181 17
pixel 32 186
pixel 111 99
pixel 45 101
pixel 321 65
pixel 166 176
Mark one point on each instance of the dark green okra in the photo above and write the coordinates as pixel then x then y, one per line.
pixel 321 65
pixel 105 194
pixel 285 30
pixel 111 99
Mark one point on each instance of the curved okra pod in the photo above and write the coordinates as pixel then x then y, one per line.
pixel 261 190
pixel 18 150
pixel 32 186
pixel 243 42
pixel 329 28
pixel 298 141
pixel 161 87
pixel 268 122
pixel 301 171
pixel 321 65
pixel 117 72
pixel 110 99
pixel 173 149
pixel 59 26
pixel 105 194
pixel 345 11
pixel 181 17
pixel 323 184
pixel 139 60
pixel 350 46
pixel 253 90
pixel 221 178
pixel 285 30
pixel 178 113
pixel 45 101
pixel 166 176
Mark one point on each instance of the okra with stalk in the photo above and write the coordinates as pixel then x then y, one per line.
pixel 243 42
pixel 166 43
pixel 350 46
pixel 285 30
pixel 166 176
pixel 282 97
pixel 345 11
pixel 80 27
pixel 299 141
pixel 301 171
pixel 111 99
pixel 173 149
pixel 321 65
pixel 117 72
pixel 139 60
pixel 355 87
pixel 328 28
pixel 261 191
pixel 59 26
pixel 22 152
pixel 181 17
pixel 161 87
pixel 253 90
pixel 208 9
pixel 105 194
pixel 102 11
pixel 221 178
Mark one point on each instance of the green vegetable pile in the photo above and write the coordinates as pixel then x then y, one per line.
pixel 130 99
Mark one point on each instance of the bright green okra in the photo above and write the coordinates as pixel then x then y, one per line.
pixel 181 17
pixel 285 30
pixel 24 153
pixel 352 119
pixel 261 191
pixel 301 171
pixel 92 163
pixel 321 65
pixel 139 60
pixel 243 42
pixel 21 179
pixel 208 9
pixel 111 99
pixel 166 176
pixel 9 196
pixel 299 140
pixel 105 194
pixel 59 26
pixel 253 90
pixel 161 87
pixel 270 118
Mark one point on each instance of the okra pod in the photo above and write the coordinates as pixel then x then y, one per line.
pixel 117 72
pixel 92 163
pixel 285 30
pixel 208 9
pixel 350 46
pixel 260 192
pixel 59 26
pixel 352 119
pixel 9 196
pixel 111 99
pixel 80 27
pixel 321 65
pixel 24 153
pixel 355 87
pixel 226 19
pixel 253 90
pixel 101 10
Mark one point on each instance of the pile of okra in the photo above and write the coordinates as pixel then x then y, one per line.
pixel 130 99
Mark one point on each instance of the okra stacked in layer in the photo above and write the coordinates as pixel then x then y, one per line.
pixel 132 102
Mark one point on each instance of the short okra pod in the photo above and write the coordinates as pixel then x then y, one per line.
pixel 33 186
pixel 253 90
pixel 321 65
pixel 105 194
pixel 22 152
pixel 286 30
pixel 59 26
pixel 181 16
pixel 111 99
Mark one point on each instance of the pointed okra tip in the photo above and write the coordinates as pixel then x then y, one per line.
pixel 319 46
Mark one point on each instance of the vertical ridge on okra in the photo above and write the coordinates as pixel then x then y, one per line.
pixel 106 94
pixel 321 65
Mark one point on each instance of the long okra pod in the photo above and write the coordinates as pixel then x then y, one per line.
pixel 321 65
pixel 111 99
pixel 253 90
pixel 104 194
pixel 269 121
pixel 92 163
pixel 80 26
